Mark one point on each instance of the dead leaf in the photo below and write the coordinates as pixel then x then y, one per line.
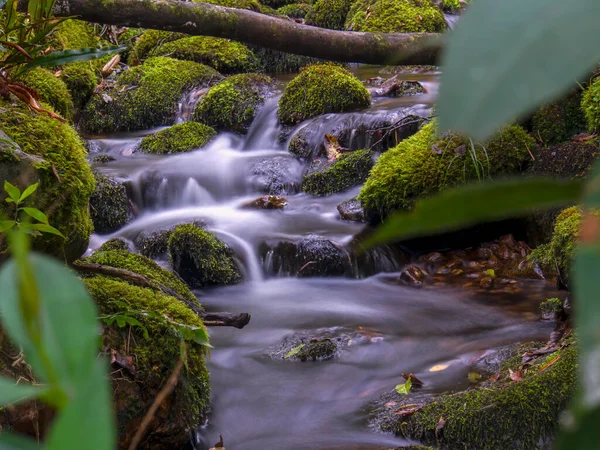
pixel 583 137
pixel 440 426
pixel 439 367
pixel 122 361
pixel 407 410
pixel 435 149
pixel 461 150
pixel 413 378
pixel 219 444
pixel 390 404
pixel 548 364
pixel 332 147
pixel 516 376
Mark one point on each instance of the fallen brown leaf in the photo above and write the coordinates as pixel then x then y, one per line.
pixel 548 364
pixel 583 137
pixel 407 410
pixel 516 376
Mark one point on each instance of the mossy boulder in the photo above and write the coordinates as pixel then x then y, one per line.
pixel 253 5
pixel 497 415
pixel 221 54
pixel 179 138
pixel 273 61
pixel 559 121
pixel 110 208
pixel 233 103
pixel 145 96
pixel 347 171
pixel 52 90
pixel 148 41
pixel 74 34
pixel 590 103
pixel 81 78
pixel 556 256
pixel 114 244
pixel 427 163
pixel 145 356
pixel 395 16
pixel 66 180
pixel 320 89
pixel 569 160
pixel 201 259
pixel 295 10
pixel 329 14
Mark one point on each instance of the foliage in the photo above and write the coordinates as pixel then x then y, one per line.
pixel 179 138
pixel 23 214
pixel 320 89
pixel 404 388
pixel 329 14
pixel 395 16
pixel 221 54
pixel 590 103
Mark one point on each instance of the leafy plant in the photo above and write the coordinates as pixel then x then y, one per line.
pixel 404 389
pixel 21 213
pixel 23 47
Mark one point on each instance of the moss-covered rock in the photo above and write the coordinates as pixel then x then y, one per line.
pixel 145 96
pixel 496 416
pixel 66 180
pixel 179 138
pixel 278 4
pixel 148 41
pixel 295 10
pixel 81 78
pixel 52 90
pixel 320 89
pixel 233 103
pixel 273 61
pixel 329 14
pixel 395 16
pixel 253 5
pixel 152 357
pixel 200 258
pixel 427 163
pixel 590 103
pixel 147 268
pixel 348 170
pixel 559 252
pixel 110 208
pixel 114 244
pixel 221 54
pixel 560 120
pixel 74 34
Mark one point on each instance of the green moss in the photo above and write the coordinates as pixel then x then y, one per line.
pixel 114 244
pixel 295 10
pixel 395 16
pixel 145 96
pixel 320 89
pixel 179 138
pixel 222 54
pixel 81 78
pixel 550 307
pixel 560 120
pixel 329 14
pixel 109 205
pixel 145 267
pixel 347 171
pixel 148 41
pixel 451 5
pixel 590 103
pixel 52 90
pixel 74 34
pixel 200 258
pixel 511 415
pixel 233 103
pixel 559 252
pixel 427 163
pixel 65 201
pixel 317 350
pixel 155 357
pixel 278 4
pixel 272 61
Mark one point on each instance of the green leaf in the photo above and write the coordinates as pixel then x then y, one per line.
pixel 200 336
pixel 506 57
pixel 404 389
pixel 491 273
pixel 6 225
pixel 89 414
pixel 43 228
pixel 10 392
pixel 11 441
pixel 475 203
pixel 65 318
pixel 294 351
pixel 30 190
pixel 121 322
pixel 36 214
pixel 70 56
pixel 13 192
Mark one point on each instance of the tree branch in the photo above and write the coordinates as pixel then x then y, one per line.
pixel 258 29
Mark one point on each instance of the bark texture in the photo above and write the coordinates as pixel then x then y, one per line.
pixel 258 29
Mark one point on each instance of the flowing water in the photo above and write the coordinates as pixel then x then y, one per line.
pixel 263 403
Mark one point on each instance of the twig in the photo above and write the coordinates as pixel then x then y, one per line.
pixel 162 395
pixel 394 127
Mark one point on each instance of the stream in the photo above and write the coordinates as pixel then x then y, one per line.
pixel 259 402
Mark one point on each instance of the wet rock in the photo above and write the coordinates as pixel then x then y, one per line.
pixel 266 202
pixel 352 210
pixel 349 170
pixel 154 244
pixel 397 87
pixel 201 259
pixel 312 256
pixel 273 61
pixel 275 176
pixel 412 276
pixel 551 308
pixel 103 159
pixel 110 207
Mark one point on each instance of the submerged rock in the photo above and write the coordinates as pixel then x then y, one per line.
pixel 233 103
pixel 145 96
pixel 395 16
pixel 109 205
pixel 179 138
pixel 266 202
pixel 201 259
pixel 349 170
pixel 320 89
pixel 352 210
